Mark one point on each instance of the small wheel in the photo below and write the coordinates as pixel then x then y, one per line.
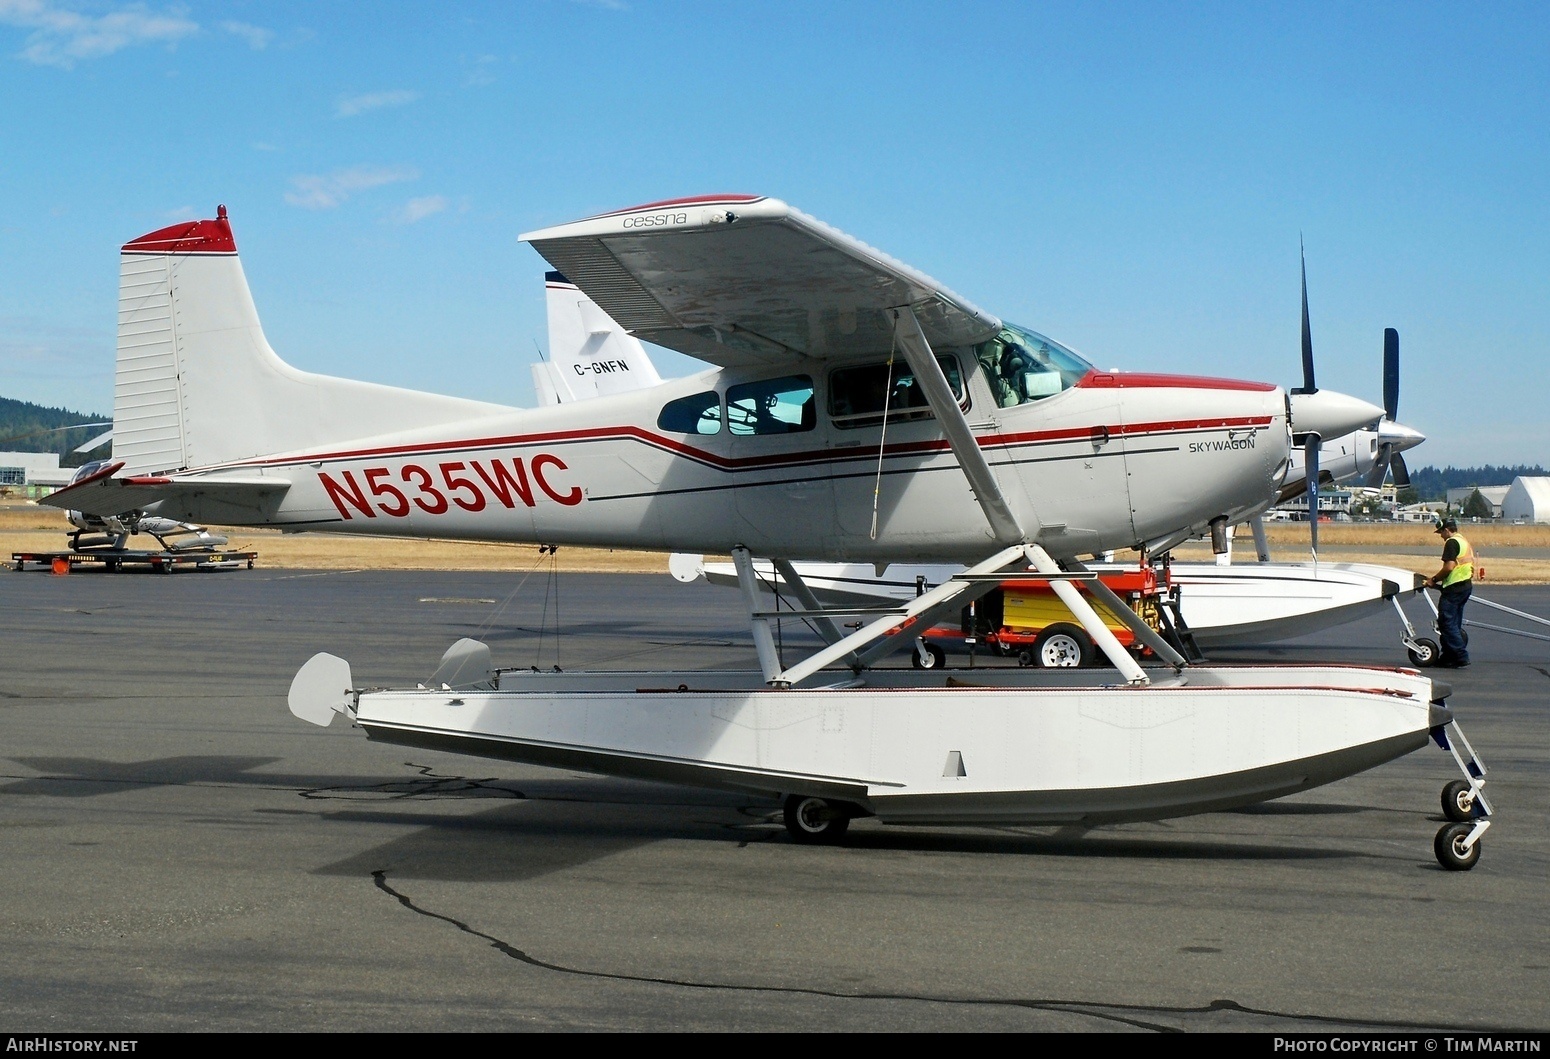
pixel 1458 802
pixel 1025 658
pixel 814 821
pixel 1062 646
pixel 1449 847
pixel 935 658
pixel 1424 653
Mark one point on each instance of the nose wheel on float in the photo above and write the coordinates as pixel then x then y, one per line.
pixel 1457 844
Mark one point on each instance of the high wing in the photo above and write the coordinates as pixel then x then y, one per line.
pixel 744 280
pixel 107 496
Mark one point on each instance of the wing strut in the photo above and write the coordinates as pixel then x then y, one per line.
pixel 1101 634
pixel 1261 541
pixel 763 639
pixel 826 628
pixel 912 340
pixel 948 593
pixel 1144 632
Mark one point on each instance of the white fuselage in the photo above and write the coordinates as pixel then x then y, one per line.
pixel 1115 461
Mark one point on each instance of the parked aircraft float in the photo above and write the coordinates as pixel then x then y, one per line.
pixel 1009 451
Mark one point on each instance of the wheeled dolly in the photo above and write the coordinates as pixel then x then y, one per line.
pixel 1423 651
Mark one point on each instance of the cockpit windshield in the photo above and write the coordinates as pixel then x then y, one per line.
pixel 1023 366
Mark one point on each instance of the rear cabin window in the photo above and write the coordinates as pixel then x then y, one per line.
pixel 696 414
pixel 772 406
pixel 857 395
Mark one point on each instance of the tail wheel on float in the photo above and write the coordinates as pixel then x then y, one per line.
pixel 816 821
pixel 1062 646
pixel 1451 849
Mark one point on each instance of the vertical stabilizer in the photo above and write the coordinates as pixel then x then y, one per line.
pixel 197 384
pixel 589 354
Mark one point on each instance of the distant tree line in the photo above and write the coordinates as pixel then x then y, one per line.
pixel 27 427
pixel 1429 483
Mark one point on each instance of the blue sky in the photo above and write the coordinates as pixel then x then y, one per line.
pixel 1131 179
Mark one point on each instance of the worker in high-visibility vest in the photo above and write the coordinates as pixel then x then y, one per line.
pixel 1454 581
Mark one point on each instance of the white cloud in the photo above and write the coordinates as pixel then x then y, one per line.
pixel 419 209
pixel 324 192
pixel 398 97
pixel 257 37
pixel 482 72
pixel 62 36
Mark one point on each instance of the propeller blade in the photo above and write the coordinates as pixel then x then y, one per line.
pixel 1401 472
pixel 1391 373
pixel 1380 466
pixel 1308 385
pixel 1310 449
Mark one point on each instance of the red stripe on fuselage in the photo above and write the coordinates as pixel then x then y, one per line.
pixel 711 459
pixel 1137 380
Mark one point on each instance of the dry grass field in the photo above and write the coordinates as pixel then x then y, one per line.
pixel 29 527
pixel 34 528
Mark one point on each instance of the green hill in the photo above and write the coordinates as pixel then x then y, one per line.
pixel 1432 483
pixel 28 427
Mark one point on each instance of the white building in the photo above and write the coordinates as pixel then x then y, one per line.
pixel 1527 499
pixel 32 473
pixel 1332 502
pixel 1426 511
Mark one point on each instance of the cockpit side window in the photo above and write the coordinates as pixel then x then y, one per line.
pixel 1021 366
pixel 697 414
pixel 857 395
pixel 772 406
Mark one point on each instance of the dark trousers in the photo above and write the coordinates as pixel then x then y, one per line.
pixel 1450 622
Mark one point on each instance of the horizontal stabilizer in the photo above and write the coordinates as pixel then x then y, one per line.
pixel 104 495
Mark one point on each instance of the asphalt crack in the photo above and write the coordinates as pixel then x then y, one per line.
pixel 1142 1017
pixel 428 785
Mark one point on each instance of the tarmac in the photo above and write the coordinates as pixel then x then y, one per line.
pixel 181 854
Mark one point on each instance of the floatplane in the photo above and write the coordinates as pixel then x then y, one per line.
pixel 1008 452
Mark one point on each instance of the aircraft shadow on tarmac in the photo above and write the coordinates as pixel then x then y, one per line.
pixel 538 837
pixel 84 777
pixel 553 825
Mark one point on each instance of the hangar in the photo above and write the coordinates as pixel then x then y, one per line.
pixel 1527 499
